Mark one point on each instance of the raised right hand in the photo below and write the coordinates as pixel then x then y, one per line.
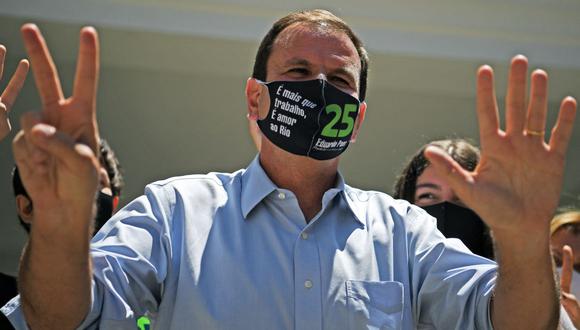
pixel 55 150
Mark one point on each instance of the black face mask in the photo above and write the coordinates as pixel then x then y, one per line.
pixel 104 210
pixel 309 118
pixel 455 221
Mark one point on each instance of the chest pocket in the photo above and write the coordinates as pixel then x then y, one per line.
pixel 375 305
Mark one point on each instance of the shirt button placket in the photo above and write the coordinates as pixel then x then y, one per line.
pixel 307 287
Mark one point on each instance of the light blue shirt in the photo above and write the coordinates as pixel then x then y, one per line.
pixel 233 251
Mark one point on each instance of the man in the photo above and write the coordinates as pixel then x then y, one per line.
pixel 286 243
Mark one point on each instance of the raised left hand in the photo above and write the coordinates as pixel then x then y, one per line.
pixel 516 186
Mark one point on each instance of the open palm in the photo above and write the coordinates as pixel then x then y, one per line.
pixel 516 185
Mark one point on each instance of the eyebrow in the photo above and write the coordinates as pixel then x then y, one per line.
pixel 297 61
pixel 340 70
pixel 428 185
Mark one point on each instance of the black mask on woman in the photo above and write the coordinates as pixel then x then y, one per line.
pixel 104 210
pixel 455 221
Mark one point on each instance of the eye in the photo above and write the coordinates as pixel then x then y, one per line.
pixel 426 196
pixel 299 72
pixel 340 81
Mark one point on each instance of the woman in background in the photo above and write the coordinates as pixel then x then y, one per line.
pixel 419 184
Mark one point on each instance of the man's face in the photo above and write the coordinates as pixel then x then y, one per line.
pixel 306 52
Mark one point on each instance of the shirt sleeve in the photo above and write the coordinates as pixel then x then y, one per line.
pixel 130 260
pixel 451 287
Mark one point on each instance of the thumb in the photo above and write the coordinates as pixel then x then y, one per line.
pixel 457 177
pixel 567 269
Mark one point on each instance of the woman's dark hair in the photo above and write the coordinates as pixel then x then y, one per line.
pixel 463 152
pixel 316 17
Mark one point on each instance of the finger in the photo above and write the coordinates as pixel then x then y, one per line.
pixel 27 121
pixel 20 152
pixel 567 268
pixel 2 56
pixel 5 126
pixel 87 74
pixel 570 304
pixel 562 131
pixel 61 146
pixel 32 173
pixel 43 68
pixel 451 172
pixel 516 95
pixel 15 85
pixel 487 113
pixel 538 107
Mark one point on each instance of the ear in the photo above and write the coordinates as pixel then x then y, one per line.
pixel 359 120
pixel 253 90
pixel 24 208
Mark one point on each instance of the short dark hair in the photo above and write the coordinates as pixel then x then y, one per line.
pixel 463 152
pixel 317 17
pixel 107 158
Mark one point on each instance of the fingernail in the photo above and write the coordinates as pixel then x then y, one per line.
pixel 45 130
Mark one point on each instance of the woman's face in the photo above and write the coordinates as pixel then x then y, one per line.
pixel 566 235
pixel 432 189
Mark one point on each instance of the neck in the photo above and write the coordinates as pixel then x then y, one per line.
pixel 307 178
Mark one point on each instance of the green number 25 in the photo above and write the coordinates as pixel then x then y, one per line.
pixel 330 130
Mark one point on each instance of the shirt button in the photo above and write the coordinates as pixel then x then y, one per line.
pixel 304 235
pixel 308 284
pixel 281 195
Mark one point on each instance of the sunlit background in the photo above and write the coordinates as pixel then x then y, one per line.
pixel 171 93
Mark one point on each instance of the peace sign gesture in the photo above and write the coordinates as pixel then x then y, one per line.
pixel 51 151
pixel 12 89
pixel 75 115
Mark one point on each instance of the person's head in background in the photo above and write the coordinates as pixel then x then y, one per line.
pixel 419 183
pixel 110 180
pixel 565 230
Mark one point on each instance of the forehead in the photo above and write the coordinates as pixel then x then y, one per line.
pixel 429 175
pixel 319 46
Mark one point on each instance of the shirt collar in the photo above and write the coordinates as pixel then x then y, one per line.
pixel 256 185
pixel 356 201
